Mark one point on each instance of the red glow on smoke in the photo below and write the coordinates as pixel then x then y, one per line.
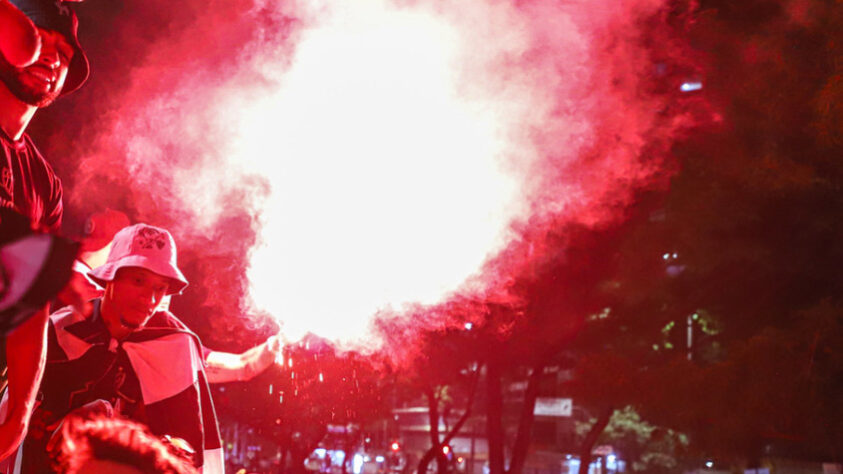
pixel 355 157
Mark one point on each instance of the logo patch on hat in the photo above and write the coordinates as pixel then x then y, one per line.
pixel 148 238
pixel 63 9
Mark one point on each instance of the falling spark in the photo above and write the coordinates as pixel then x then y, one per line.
pixel 690 86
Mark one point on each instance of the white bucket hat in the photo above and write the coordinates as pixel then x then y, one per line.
pixel 143 246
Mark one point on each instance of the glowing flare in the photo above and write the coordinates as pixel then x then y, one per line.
pixel 387 187
pixel 383 147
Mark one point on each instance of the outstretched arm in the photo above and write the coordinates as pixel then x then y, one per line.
pixel 226 367
pixel 26 354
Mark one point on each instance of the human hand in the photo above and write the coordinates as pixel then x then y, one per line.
pixel 88 411
pixel 275 346
pixel 79 292
pixel 94 409
pixel 275 343
pixel 20 42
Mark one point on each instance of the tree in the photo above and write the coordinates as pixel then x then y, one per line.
pixel 438 365
pixel 746 245
pixel 643 447
pixel 317 386
pixel 754 215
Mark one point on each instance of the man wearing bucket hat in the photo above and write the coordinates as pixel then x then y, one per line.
pixel 40 59
pixel 34 266
pixel 146 363
pixel 26 179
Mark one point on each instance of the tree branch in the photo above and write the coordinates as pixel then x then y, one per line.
pixel 592 436
pixel 435 450
pixel 525 424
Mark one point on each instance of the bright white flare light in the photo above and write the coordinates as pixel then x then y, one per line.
pixel 387 187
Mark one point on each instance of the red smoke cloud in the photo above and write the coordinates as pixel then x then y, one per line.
pixel 488 123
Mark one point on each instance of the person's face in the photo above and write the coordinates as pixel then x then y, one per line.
pixel 134 295
pixel 40 83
